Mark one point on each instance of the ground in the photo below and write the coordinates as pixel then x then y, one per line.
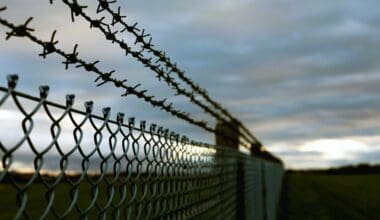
pixel 321 196
pixel 305 196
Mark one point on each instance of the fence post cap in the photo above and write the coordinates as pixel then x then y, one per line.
pixel 89 105
pixel 12 80
pixel 120 117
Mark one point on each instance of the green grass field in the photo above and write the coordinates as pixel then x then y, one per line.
pixel 320 196
pixel 305 196
pixel 37 204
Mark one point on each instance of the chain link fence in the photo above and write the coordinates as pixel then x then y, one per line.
pixel 58 162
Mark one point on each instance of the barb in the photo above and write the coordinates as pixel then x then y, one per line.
pixel 161 73
pixel 97 22
pixel 103 77
pixel 49 47
pixel 20 30
pixel 117 17
pixel 76 9
pixel 104 4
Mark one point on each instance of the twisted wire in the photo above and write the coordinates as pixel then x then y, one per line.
pixel 76 10
pixel 103 5
pixel 104 77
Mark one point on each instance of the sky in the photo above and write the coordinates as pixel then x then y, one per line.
pixel 303 76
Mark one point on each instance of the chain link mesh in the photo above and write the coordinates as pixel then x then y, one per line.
pixel 110 169
pixel 58 162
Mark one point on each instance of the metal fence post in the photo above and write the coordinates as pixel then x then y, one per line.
pixel 240 213
pixel 264 190
pixel 232 129
pixel 233 142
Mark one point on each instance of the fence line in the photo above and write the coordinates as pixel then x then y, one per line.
pixel 138 55
pixel 161 73
pixel 60 162
pixel 104 77
pixel 126 172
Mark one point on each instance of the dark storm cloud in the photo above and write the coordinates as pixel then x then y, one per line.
pixel 292 71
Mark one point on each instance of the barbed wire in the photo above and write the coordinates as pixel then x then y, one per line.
pixel 76 10
pixel 103 5
pixel 161 74
pixel 161 57
pixel 103 77
pixel 49 47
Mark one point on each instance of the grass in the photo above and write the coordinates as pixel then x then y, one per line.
pixel 305 196
pixel 37 204
pixel 137 196
pixel 321 196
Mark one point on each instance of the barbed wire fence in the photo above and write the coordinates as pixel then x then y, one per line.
pixel 154 65
pixel 139 172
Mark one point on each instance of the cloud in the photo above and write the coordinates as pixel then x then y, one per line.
pixel 328 152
